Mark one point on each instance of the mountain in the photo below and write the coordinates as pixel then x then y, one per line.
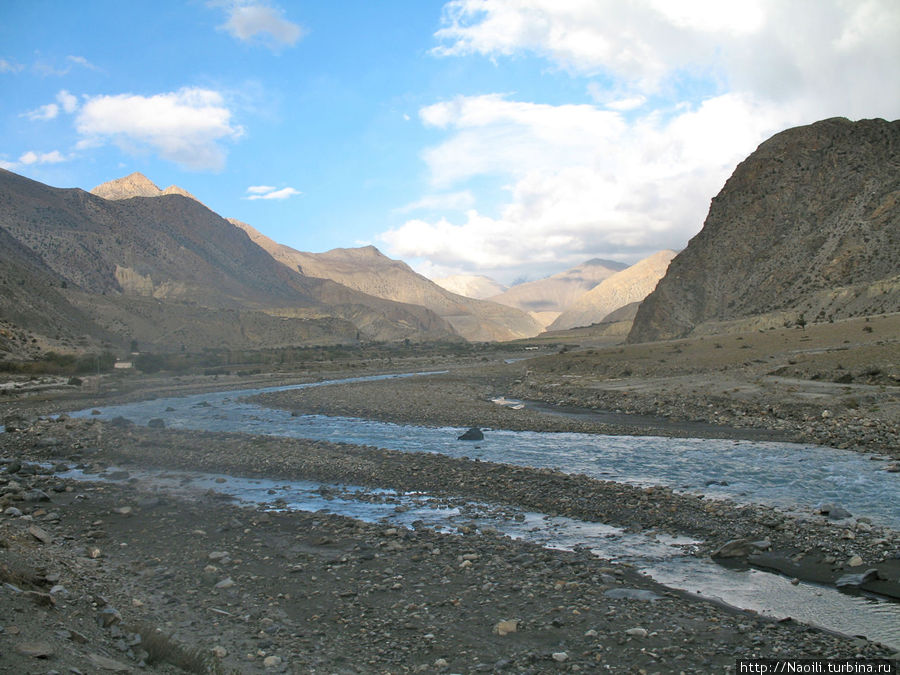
pixel 631 285
pixel 367 270
pixel 471 285
pixel 808 224
pixel 170 273
pixel 546 298
pixel 137 185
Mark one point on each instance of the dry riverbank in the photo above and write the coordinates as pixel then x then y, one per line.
pixel 317 593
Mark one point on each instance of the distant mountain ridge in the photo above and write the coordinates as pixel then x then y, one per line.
pixel 807 226
pixel 623 288
pixel 367 270
pixel 475 286
pixel 546 298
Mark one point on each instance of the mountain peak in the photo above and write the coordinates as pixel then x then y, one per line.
pixel 132 185
pixel 137 185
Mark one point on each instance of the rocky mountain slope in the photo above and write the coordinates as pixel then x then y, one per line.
pixel 367 270
pixel 632 284
pixel 169 272
pixel 807 226
pixel 475 286
pixel 546 298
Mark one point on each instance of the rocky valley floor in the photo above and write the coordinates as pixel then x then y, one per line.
pixel 116 574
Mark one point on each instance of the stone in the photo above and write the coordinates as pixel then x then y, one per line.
pixel 857 580
pixel 123 510
pixel 833 511
pixel 109 617
pixel 219 652
pixel 739 548
pixel 637 632
pixel 227 582
pixel 36 650
pixel 272 661
pixel 156 423
pixel 12 512
pixel 632 594
pixel 106 663
pixel 506 627
pixel 473 434
pixel 41 535
pixel 34 496
pixel 855 561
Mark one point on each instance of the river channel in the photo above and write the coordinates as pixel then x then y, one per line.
pixel 790 476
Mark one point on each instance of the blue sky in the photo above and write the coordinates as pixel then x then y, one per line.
pixel 512 138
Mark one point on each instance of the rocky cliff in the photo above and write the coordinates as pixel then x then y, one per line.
pixel 807 226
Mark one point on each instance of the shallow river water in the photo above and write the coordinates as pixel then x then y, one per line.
pixel 795 477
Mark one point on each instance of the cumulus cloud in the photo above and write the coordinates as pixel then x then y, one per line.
pixel 68 102
pixel 583 181
pixel 634 171
pixel 32 157
pixel 187 126
pixel 832 52
pixel 45 112
pixel 250 21
pixel 270 192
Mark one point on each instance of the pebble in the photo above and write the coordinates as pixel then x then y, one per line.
pixel 637 632
pixel 560 657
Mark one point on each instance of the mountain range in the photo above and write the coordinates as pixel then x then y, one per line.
pixel 806 229
pixel 367 270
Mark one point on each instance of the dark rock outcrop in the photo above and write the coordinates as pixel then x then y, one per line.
pixel 809 224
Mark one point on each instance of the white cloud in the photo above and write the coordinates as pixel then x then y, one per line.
pixel 186 126
pixel 270 192
pixel 250 21
pixel 32 157
pixel 68 102
pixel 45 112
pixel 828 52
pixel 83 62
pixel 584 181
pixel 7 66
pixel 634 173
pixel 448 201
pixel 260 189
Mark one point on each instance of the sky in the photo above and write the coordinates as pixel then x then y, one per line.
pixel 510 138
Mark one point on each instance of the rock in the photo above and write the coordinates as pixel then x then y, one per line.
pixel 36 650
pixel 13 467
pixel 106 663
pixel 893 467
pixel 227 582
pixel 12 512
pixel 36 495
pixel 121 422
pixel 833 511
pixel 637 632
pixel 219 652
pixel 560 657
pixel 506 627
pixel 857 580
pixel 632 594
pixel 41 535
pixel 441 663
pixel 473 434
pixel 157 423
pixel 272 661
pixel 109 617
pixel 123 510
pixel 740 548
pixel 855 561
